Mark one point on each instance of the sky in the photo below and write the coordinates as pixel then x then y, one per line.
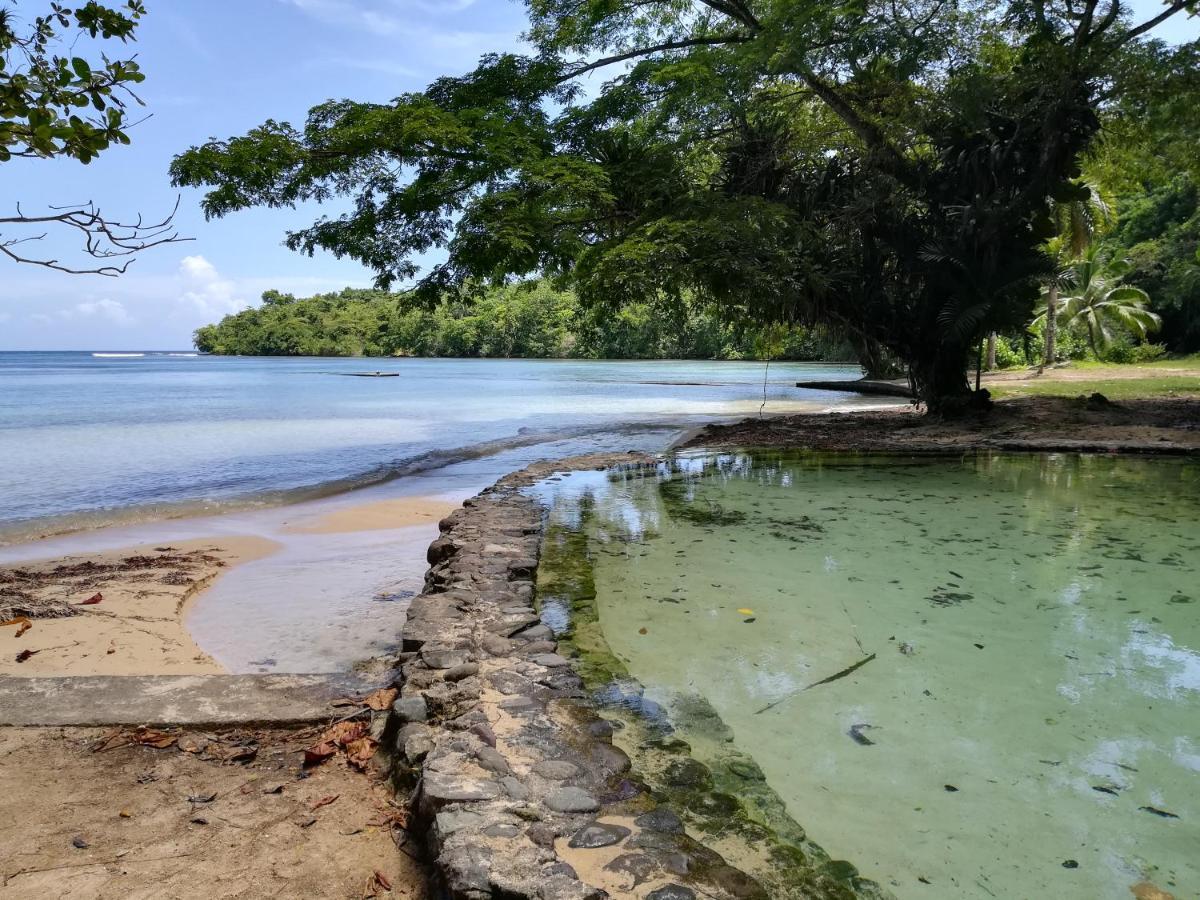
pixel 215 68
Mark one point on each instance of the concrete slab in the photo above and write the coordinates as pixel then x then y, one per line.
pixel 202 700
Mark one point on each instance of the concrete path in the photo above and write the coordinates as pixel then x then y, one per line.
pixel 201 700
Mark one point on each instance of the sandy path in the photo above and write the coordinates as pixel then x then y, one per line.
pixel 137 626
pixel 258 836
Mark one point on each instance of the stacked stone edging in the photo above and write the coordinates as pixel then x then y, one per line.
pixel 506 759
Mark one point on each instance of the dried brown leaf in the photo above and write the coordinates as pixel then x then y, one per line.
pixel 22 622
pixel 92 600
pixel 382 699
pixel 324 801
pixel 360 752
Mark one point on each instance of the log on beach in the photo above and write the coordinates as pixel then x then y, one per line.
pixel 861 386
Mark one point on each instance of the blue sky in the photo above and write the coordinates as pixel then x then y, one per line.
pixel 216 68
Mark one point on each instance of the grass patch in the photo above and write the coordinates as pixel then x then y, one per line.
pixel 1126 388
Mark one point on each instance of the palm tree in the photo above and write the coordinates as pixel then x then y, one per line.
pixel 1097 300
pixel 1078 221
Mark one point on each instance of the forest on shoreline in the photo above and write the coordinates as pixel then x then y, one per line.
pixel 530 319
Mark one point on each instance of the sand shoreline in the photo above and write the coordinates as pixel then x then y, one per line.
pixel 135 627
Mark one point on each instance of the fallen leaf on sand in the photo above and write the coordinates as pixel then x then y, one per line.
pixel 22 622
pixel 376 883
pixel 382 699
pixel 324 801
pixel 360 752
pixel 239 754
pixel 148 737
pixel 202 798
pixel 318 753
pixel 25 654
pixel 92 600
pixel 343 733
pixel 125 814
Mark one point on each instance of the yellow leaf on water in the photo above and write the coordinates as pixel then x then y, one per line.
pixel 746 612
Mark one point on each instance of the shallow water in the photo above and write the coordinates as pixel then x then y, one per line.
pixel 1029 725
pixel 87 441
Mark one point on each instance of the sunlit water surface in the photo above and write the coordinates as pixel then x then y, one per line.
pixel 1029 725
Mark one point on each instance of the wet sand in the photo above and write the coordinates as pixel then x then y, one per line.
pixel 380 515
pixel 135 628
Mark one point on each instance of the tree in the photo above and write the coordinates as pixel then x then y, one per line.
pixel 54 105
pixel 880 167
pixel 1077 221
pixel 1096 301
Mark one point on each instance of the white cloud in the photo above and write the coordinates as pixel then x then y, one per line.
pixel 111 310
pixel 205 291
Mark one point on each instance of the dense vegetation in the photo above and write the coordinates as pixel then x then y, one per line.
pixel 524 320
pixel 890 169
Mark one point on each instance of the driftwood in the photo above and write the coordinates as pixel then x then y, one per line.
pixel 861 386
pixel 834 677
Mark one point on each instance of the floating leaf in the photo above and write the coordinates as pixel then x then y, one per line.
pixel 746 612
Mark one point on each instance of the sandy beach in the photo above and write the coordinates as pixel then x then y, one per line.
pixel 118 612
pixel 379 515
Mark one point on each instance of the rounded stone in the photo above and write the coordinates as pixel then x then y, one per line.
pixel 555 769
pixel 550 660
pixel 541 834
pixel 661 819
pixel 598 834
pixel 458 673
pixel 672 892
pixel 502 831
pixel 571 800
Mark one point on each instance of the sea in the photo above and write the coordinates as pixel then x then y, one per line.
pixel 111 449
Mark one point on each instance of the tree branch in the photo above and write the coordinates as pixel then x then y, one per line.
pixel 1151 24
pixel 659 48
pixel 103 239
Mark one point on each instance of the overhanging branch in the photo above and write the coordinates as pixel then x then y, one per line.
pixel 713 41
pixel 103 238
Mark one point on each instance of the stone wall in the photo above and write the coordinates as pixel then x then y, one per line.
pixel 515 782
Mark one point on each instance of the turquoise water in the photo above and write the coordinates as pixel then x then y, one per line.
pixel 88 440
pixel 1025 721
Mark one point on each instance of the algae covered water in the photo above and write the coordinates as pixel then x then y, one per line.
pixel 970 678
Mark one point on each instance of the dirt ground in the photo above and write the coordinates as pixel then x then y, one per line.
pixel 134 821
pixel 1024 423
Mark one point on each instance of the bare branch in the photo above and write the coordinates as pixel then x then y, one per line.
pixel 103 239
pixel 1150 24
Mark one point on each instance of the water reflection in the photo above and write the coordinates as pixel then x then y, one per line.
pixel 1036 679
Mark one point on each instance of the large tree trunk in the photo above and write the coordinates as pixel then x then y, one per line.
pixel 1051 325
pixel 991 351
pixel 940 379
pixel 877 362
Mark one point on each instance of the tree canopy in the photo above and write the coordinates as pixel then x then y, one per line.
pixel 883 166
pixel 530 320
pixel 55 103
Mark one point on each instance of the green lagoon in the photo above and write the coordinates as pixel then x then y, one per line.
pixel 1024 717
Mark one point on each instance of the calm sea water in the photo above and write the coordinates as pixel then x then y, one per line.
pixel 88 441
